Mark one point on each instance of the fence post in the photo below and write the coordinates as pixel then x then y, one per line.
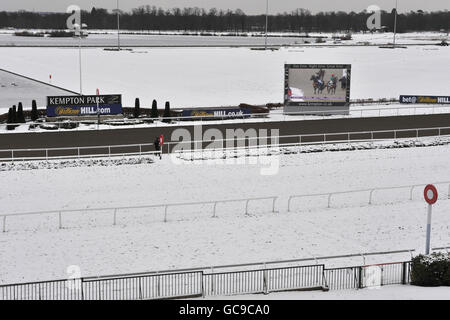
pixel 370 195
pixel 329 200
pixel 115 217
pixel 4 223
pixel 361 276
pixel 404 281
pixel 411 193
pixel 60 220
pixel 212 281
pixel 265 285
pixel 165 213
pixel 273 204
pixel 214 210
pixel 246 207
pixel 82 289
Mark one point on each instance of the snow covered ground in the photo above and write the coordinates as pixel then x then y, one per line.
pixel 197 77
pixel 191 238
pixel 183 38
pixel 395 292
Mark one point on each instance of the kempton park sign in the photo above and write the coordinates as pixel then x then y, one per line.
pixel 73 106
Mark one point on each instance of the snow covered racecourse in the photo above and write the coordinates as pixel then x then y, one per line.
pixel 141 241
pixel 87 198
pixel 205 77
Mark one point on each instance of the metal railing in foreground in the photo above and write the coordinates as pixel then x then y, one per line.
pixel 205 282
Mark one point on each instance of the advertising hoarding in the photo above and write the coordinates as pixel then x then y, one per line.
pixel 73 106
pixel 217 113
pixel 316 86
pixel 425 99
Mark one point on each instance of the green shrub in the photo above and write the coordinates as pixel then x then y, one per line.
pixel 137 108
pixel 34 111
pixel 166 113
pixel 431 271
pixel 154 113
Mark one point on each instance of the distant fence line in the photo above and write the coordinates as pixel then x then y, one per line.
pixel 371 192
pixel 249 142
pixel 201 283
pixel 115 211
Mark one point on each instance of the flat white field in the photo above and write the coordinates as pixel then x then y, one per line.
pixel 35 249
pixel 202 77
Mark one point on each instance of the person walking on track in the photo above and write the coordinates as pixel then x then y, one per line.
pixel 158 146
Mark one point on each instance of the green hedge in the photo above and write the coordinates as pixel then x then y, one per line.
pixel 431 271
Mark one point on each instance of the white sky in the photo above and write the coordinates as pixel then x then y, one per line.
pixel 249 6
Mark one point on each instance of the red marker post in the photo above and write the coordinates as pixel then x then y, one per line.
pixel 431 197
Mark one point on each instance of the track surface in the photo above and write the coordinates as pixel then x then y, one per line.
pixel 147 135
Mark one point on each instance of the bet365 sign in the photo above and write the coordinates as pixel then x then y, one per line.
pixel 70 106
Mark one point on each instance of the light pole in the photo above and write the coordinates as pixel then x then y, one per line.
pixel 118 27
pixel 79 32
pixel 395 21
pixel 267 22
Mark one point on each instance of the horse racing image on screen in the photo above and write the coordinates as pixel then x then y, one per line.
pixel 317 85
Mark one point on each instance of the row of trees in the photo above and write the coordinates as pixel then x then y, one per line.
pixel 16 115
pixel 154 111
pixel 196 19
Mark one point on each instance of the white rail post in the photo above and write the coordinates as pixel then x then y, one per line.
pixel 246 207
pixel 411 192
pixel 115 217
pixel 4 223
pixel 329 200
pixel 60 220
pixel 214 210
pixel 289 204
pixel 370 196
pixel 273 204
pixel 165 213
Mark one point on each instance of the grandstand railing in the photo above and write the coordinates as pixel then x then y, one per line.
pixel 109 151
pixel 205 282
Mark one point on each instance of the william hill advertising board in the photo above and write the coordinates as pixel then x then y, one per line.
pixel 218 113
pixel 74 106
pixel 425 99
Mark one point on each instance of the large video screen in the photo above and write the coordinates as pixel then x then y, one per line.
pixel 317 85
